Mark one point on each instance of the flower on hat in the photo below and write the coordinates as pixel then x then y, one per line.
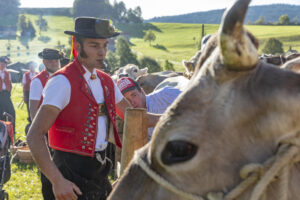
pixel 111 28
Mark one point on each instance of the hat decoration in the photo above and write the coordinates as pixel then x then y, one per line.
pixel 126 84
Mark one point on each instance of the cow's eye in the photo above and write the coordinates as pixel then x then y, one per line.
pixel 178 151
pixel 135 70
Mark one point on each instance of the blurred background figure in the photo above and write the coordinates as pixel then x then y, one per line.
pixel 27 77
pixel 51 61
pixel 5 90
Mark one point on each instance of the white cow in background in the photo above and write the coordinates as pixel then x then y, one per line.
pixel 132 71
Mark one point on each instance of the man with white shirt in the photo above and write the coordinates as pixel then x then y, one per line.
pixel 6 104
pixel 27 77
pixel 156 102
pixel 51 60
pixel 79 109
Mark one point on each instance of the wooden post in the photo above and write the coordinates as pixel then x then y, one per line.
pixel 134 135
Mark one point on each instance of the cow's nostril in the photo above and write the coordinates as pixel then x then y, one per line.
pixel 178 151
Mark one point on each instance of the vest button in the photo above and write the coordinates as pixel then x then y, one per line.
pixel 85 138
pixel 83 147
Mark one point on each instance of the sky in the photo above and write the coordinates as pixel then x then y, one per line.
pixel 156 8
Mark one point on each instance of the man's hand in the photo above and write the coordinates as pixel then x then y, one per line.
pixel 65 190
pixel 62 188
pixel 121 107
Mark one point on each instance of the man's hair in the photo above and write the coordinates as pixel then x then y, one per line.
pixel 80 40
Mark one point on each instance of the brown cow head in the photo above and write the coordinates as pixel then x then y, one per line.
pixel 233 112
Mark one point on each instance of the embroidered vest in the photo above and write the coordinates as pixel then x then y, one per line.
pixel 75 128
pixel 43 76
pixel 7 82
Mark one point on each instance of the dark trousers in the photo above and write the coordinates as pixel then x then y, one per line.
pixel 86 172
pixel 6 105
pixel 26 101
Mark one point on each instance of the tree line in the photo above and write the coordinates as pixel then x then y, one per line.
pixel 117 11
pixel 123 55
pixel 283 20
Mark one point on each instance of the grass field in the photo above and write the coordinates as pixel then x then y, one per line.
pixel 24 183
pixel 174 42
pixel 178 42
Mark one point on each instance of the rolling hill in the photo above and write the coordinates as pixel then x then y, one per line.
pixel 174 41
pixel 271 13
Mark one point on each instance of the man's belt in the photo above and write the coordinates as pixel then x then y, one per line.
pixel 101 156
pixel 102 111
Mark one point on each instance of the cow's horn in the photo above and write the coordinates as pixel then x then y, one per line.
pixel 238 51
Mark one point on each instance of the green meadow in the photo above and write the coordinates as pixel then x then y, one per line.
pixel 25 178
pixel 55 32
pixel 174 42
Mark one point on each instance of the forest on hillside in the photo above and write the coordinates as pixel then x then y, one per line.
pixel 270 14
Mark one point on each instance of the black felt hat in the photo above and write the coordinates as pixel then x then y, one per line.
pixel 5 59
pixel 91 27
pixel 51 54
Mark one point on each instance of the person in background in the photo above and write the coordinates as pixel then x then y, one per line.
pixel 27 77
pixel 79 108
pixel 51 60
pixel 6 104
pixel 156 102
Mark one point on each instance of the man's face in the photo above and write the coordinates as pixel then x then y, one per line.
pixel 95 52
pixel 2 65
pixel 136 98
pixel 51 65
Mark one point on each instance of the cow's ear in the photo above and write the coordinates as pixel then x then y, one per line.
pixel 238 51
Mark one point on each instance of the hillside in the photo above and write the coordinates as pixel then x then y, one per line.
pixel 271 13
pixel 174 41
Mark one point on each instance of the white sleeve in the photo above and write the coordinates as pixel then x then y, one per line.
pixel 24 79
pixel 57 92
pixel 118 94
pixel 36 89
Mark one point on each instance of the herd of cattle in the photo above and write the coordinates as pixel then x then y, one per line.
pixel 236 119
pixel 153 81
